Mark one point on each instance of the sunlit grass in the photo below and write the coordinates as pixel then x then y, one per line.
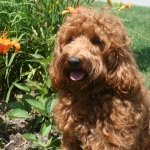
pixel 138 28
pixel 137 24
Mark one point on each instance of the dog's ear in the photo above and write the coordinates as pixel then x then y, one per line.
pixel 55 79
pixel 122 73
pixel 57 49
pixel 54 75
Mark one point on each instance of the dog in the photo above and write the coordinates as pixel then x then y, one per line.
pixel 103 103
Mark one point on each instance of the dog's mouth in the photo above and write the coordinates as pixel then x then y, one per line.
pixel 77 75
pixel 75 69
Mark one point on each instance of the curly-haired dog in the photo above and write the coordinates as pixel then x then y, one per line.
pixel 103 102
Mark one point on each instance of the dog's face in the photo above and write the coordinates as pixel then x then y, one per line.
pixel 90 46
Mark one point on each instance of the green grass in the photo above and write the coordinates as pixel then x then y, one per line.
pixel 137 24
pixel 138 27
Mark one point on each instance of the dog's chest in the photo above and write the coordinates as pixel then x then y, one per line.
pixel 88 116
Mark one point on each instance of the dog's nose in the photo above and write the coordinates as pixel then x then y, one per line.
pixel 74 61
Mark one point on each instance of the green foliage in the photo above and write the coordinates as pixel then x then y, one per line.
pixel 29 136
pixel 34 23
pixel 51 144
pixel 18 113
pixel 42 103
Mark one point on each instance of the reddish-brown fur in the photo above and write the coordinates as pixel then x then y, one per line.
pixel 109 108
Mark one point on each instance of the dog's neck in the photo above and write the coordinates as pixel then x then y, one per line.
pixel 91 94
pixel 100 94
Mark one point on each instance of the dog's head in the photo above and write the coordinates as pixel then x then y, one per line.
pixel 92 54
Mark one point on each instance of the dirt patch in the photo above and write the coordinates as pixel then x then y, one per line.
pixel 12 129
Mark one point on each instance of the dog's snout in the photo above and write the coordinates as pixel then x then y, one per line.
pixel 74 61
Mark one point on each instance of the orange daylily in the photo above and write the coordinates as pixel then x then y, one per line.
pixel 129 5
pixel 6 44
pixel 70 10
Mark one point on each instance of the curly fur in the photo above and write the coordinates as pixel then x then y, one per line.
pixel 108 109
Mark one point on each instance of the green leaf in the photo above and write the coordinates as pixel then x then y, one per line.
pixel 9 91
pixel 56 143
pixel 20 37
pixel 45 129
pixel 39 144
pixel 44 89
pixel 49 105
pixel 29 136
pixel 10 62
pixel 33 84
pixel 48 82
pixel 36 104
pixel 23 88
pixel 14 105
pixel 37 56
pixel 18 113
pixel 12 58
pixel 43 62
pixel 4 69
pixel 38 121
pixel 38 86
pixel 49 142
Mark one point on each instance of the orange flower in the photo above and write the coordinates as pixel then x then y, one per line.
pixel 70 10
pixel 6 44
pixel 129 5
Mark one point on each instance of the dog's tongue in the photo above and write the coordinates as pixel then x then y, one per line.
pixel 76 75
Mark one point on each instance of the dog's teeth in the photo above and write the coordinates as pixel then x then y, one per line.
pixel 76 75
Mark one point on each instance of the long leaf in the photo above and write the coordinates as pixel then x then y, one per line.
pixel 50 103
pixel 36 104
pixel 18 113
pixel 37 56
pixel 39 144
pixel 23 88
pixel 14 105
pixel 4 69
pixel 45 129
pixel 9 91
pixel 29 136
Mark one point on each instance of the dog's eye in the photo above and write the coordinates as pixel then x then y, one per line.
pixel 96 41
pixel 70 39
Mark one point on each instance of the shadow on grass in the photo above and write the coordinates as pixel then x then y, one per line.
pixel 143 59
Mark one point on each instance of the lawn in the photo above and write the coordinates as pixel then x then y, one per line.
pixel 137 23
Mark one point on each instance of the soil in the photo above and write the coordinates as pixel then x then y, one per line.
pixel 12 129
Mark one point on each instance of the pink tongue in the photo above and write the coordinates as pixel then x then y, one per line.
pixel 76 75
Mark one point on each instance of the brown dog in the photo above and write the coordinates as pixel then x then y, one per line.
pixel 103 103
